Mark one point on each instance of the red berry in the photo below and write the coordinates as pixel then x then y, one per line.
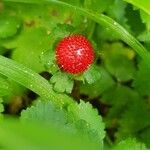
pixel 74 54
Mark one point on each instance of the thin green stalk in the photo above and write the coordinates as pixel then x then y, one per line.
pixel 31 80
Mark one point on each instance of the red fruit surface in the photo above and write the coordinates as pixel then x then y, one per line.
pixel 74 54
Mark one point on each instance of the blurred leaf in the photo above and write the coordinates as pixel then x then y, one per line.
pixel 125 69
pixel 9 26
pixel 130 144
pixel 29 47
pixel 140 111
pixel 144 136
pixel 117 11
pixel 62 82
pixel 62 30
pixel 142 80
pixel 118 97
pixel 97 5
pixel 37 136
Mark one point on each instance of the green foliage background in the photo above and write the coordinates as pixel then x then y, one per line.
pixel 106 107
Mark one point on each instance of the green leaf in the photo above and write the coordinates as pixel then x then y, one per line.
pixel 46 112
pixel 84 111
pixel 130 144
pixel 89 125
pixel 99 86
pixel 144 37
pixel 124 70
pixel 62 82
pixel 92 74
pixel 97 5
pixel 142 80
pixel 144 4
pixel 117 10
pixel 29 46
pixel 37 136
pixel 146 19
pixel 8 26
pixel 133 17
pixel 144 137
pixel 62 30
pixel 47 58
pixel 139 110
pixel 118 97
pixel 144 7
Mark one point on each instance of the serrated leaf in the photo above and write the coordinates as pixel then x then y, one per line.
pixel 130 144
pixel 133 18
pixel 144 4
pixel 92 74
pixel 80 119
pixel 8 26
pixel 144 7
pixel 85 111
pixel 45 112
pixel 62 82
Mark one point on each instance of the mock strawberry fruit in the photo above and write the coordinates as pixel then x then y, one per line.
pixel 74 54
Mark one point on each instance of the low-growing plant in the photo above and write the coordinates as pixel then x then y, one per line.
pixel 74 74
